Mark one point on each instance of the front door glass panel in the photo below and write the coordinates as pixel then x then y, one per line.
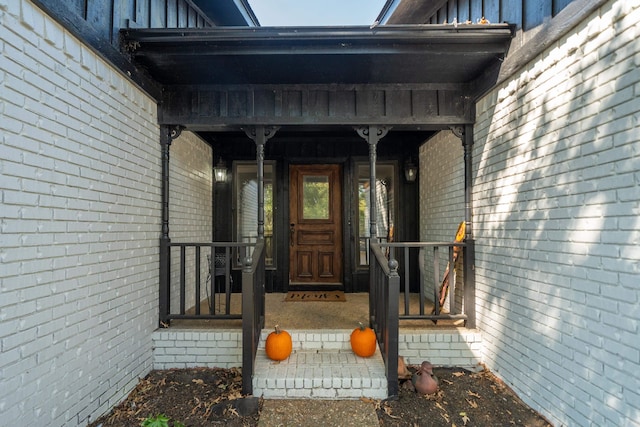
pixel 315 194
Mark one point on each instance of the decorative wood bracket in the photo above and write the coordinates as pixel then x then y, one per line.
pixel 258 132
pixel 372 134
pixel 458 131
pixel 174 132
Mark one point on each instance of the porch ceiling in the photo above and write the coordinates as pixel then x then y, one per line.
pixel 437 55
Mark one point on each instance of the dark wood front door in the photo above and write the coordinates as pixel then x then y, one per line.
pixel 315 229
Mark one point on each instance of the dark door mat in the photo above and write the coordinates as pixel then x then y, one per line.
pixel 327 296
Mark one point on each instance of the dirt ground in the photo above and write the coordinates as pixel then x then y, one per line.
pixel 463 399
pixel 212 397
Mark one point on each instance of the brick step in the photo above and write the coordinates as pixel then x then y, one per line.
pixel 321 366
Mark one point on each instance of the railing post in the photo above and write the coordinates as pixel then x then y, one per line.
pixel 391 346
pixel 165 261
pixel 469 255
pixel 248 321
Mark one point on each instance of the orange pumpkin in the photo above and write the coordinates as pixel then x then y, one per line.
pixel 363 341
pixel 278 345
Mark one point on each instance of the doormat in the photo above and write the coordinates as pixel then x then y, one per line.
pixel 329 296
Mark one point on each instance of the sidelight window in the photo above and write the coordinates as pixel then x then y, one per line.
pixel 246 205
pixel 385 207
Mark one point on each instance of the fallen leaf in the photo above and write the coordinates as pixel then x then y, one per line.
pixel 473 394
pixel 447 381
pixel 234 395
pixel 234 411
pixel 198 381
pixel 445 416
pixel 458 374
pixel 465 419
pixel 387 410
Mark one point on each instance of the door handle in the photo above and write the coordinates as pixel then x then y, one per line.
pixel 292 231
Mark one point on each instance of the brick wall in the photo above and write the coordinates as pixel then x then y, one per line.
pixel 80 221
pixel 190 211
pixel 445 347
pixel 179 348
pixel 557 217
pixel 441 203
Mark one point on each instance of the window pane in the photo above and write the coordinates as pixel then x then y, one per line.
pixel 315 194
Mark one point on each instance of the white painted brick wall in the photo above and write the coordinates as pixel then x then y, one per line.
pixel 80 222
pixel 557 217
pixel 442 347
pixel 441 203
pixel 190 211
pixel 197 348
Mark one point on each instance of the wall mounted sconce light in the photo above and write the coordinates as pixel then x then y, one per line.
pixel 410 171
pixel 220 171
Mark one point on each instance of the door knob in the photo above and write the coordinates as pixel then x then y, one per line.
pixel 292 230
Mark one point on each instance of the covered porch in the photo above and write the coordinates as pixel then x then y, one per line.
pixel 276 98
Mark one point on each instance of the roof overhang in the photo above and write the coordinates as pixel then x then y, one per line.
pixel 444 55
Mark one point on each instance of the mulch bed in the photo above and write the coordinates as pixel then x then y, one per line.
pixel 463 399
pixel 201 397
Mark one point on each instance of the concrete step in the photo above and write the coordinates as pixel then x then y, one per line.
pixel 321 366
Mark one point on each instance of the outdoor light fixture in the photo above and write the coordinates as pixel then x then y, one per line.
pixel 410 171
pixel 220 171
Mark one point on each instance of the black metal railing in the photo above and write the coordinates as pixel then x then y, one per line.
pixel 253 303
pixel 383 311
pixel 388 279
pixel 200 281
pixel 433 287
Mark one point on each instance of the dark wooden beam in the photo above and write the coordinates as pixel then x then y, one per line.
pixel 219 107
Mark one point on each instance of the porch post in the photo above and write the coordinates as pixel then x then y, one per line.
pixel 469 250
pixel 260 141
pixel 167 134
pixel 260 135
pixel 372 134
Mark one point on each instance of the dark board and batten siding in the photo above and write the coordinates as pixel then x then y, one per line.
pixel 98 24
pixel 105 18
pixel 211 107
pixel 525 14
